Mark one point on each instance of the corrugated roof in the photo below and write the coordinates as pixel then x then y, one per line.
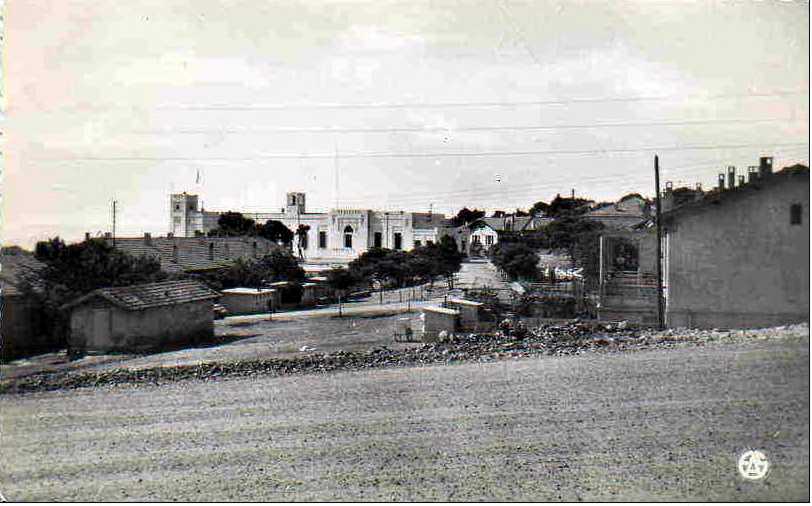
pixel 149 295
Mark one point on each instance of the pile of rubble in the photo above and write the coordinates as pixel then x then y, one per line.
pixel 511 340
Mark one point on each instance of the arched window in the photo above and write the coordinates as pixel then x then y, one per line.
pixel 348 236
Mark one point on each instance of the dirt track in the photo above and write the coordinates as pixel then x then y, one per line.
pixel 656 425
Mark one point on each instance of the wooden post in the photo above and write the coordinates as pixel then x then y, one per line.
pixel 660 305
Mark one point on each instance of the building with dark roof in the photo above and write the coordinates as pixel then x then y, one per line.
pixel 22 330
pixel 194 254
pixel 738 256
pixel 145 317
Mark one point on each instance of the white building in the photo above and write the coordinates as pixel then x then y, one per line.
pixel 337 234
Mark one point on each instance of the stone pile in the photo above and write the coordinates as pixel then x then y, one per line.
pixel 511 340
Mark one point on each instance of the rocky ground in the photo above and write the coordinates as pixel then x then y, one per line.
pixel 513 340
pixel 657 425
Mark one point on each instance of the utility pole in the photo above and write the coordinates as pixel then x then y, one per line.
pixel 660 305
pixel 114 223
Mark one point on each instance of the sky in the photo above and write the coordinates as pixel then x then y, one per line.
pixel 411 105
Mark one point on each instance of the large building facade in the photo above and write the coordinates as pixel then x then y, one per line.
pixel 337 234
pixel 739 256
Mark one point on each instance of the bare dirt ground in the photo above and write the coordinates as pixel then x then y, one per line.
pixel 651 425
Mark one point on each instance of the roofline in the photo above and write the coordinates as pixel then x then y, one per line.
pixel 99 292
pixel 720 197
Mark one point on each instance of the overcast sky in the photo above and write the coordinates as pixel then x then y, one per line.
pixel 493 104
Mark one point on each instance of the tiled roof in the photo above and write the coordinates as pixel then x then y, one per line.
pixel 196 253
pixel 149 295
pixel 18 267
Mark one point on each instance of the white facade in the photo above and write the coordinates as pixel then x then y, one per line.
pixel 337 234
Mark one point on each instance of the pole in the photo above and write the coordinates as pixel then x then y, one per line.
pixel 660 305
pixel 114 223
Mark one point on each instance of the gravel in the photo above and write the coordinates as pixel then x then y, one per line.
pixel 512 340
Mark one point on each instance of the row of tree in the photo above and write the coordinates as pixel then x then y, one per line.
pixel 385 268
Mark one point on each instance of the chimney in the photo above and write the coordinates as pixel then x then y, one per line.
pixel 147 239
pixel 721 186
pixel 699 187
pixel 765 167
pixel 731 177
pixel 170 235
pixel 752 173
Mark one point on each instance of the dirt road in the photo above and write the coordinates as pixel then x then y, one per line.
pixel 653 425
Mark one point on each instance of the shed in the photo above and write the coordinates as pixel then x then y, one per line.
pixel 143 317
pixel 438 319
pixel 249 300
pixel 469 312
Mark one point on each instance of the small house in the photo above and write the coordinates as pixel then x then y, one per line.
pixel 143 317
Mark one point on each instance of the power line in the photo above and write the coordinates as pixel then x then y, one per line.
pixel 428 105
pixel 330 130
pixel 460 154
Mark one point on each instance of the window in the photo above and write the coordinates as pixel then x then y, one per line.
pixel 475 239
pixel 795 214
pixel 398 240
pixel 177 207
pixel 489 240
pixel 378 240
pixel 417 244
pixel 348 236
pixel 322 239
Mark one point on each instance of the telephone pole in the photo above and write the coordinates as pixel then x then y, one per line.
pixel 114 223
pixel 660 304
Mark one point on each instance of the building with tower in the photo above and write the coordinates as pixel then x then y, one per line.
pixel 339 234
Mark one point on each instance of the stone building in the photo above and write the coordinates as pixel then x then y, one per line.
pixel 145 317
pixel 339 234
pixel 739 256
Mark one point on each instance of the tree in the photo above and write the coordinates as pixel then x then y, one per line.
pixel 278 265
pixel 466 215
pixel 340 280
pixel 517 260
pixel 301 236
pixel 561 207
pixel 275 231
pixel 539 208
pixel 234 224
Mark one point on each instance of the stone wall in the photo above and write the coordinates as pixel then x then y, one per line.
pixel 146 330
